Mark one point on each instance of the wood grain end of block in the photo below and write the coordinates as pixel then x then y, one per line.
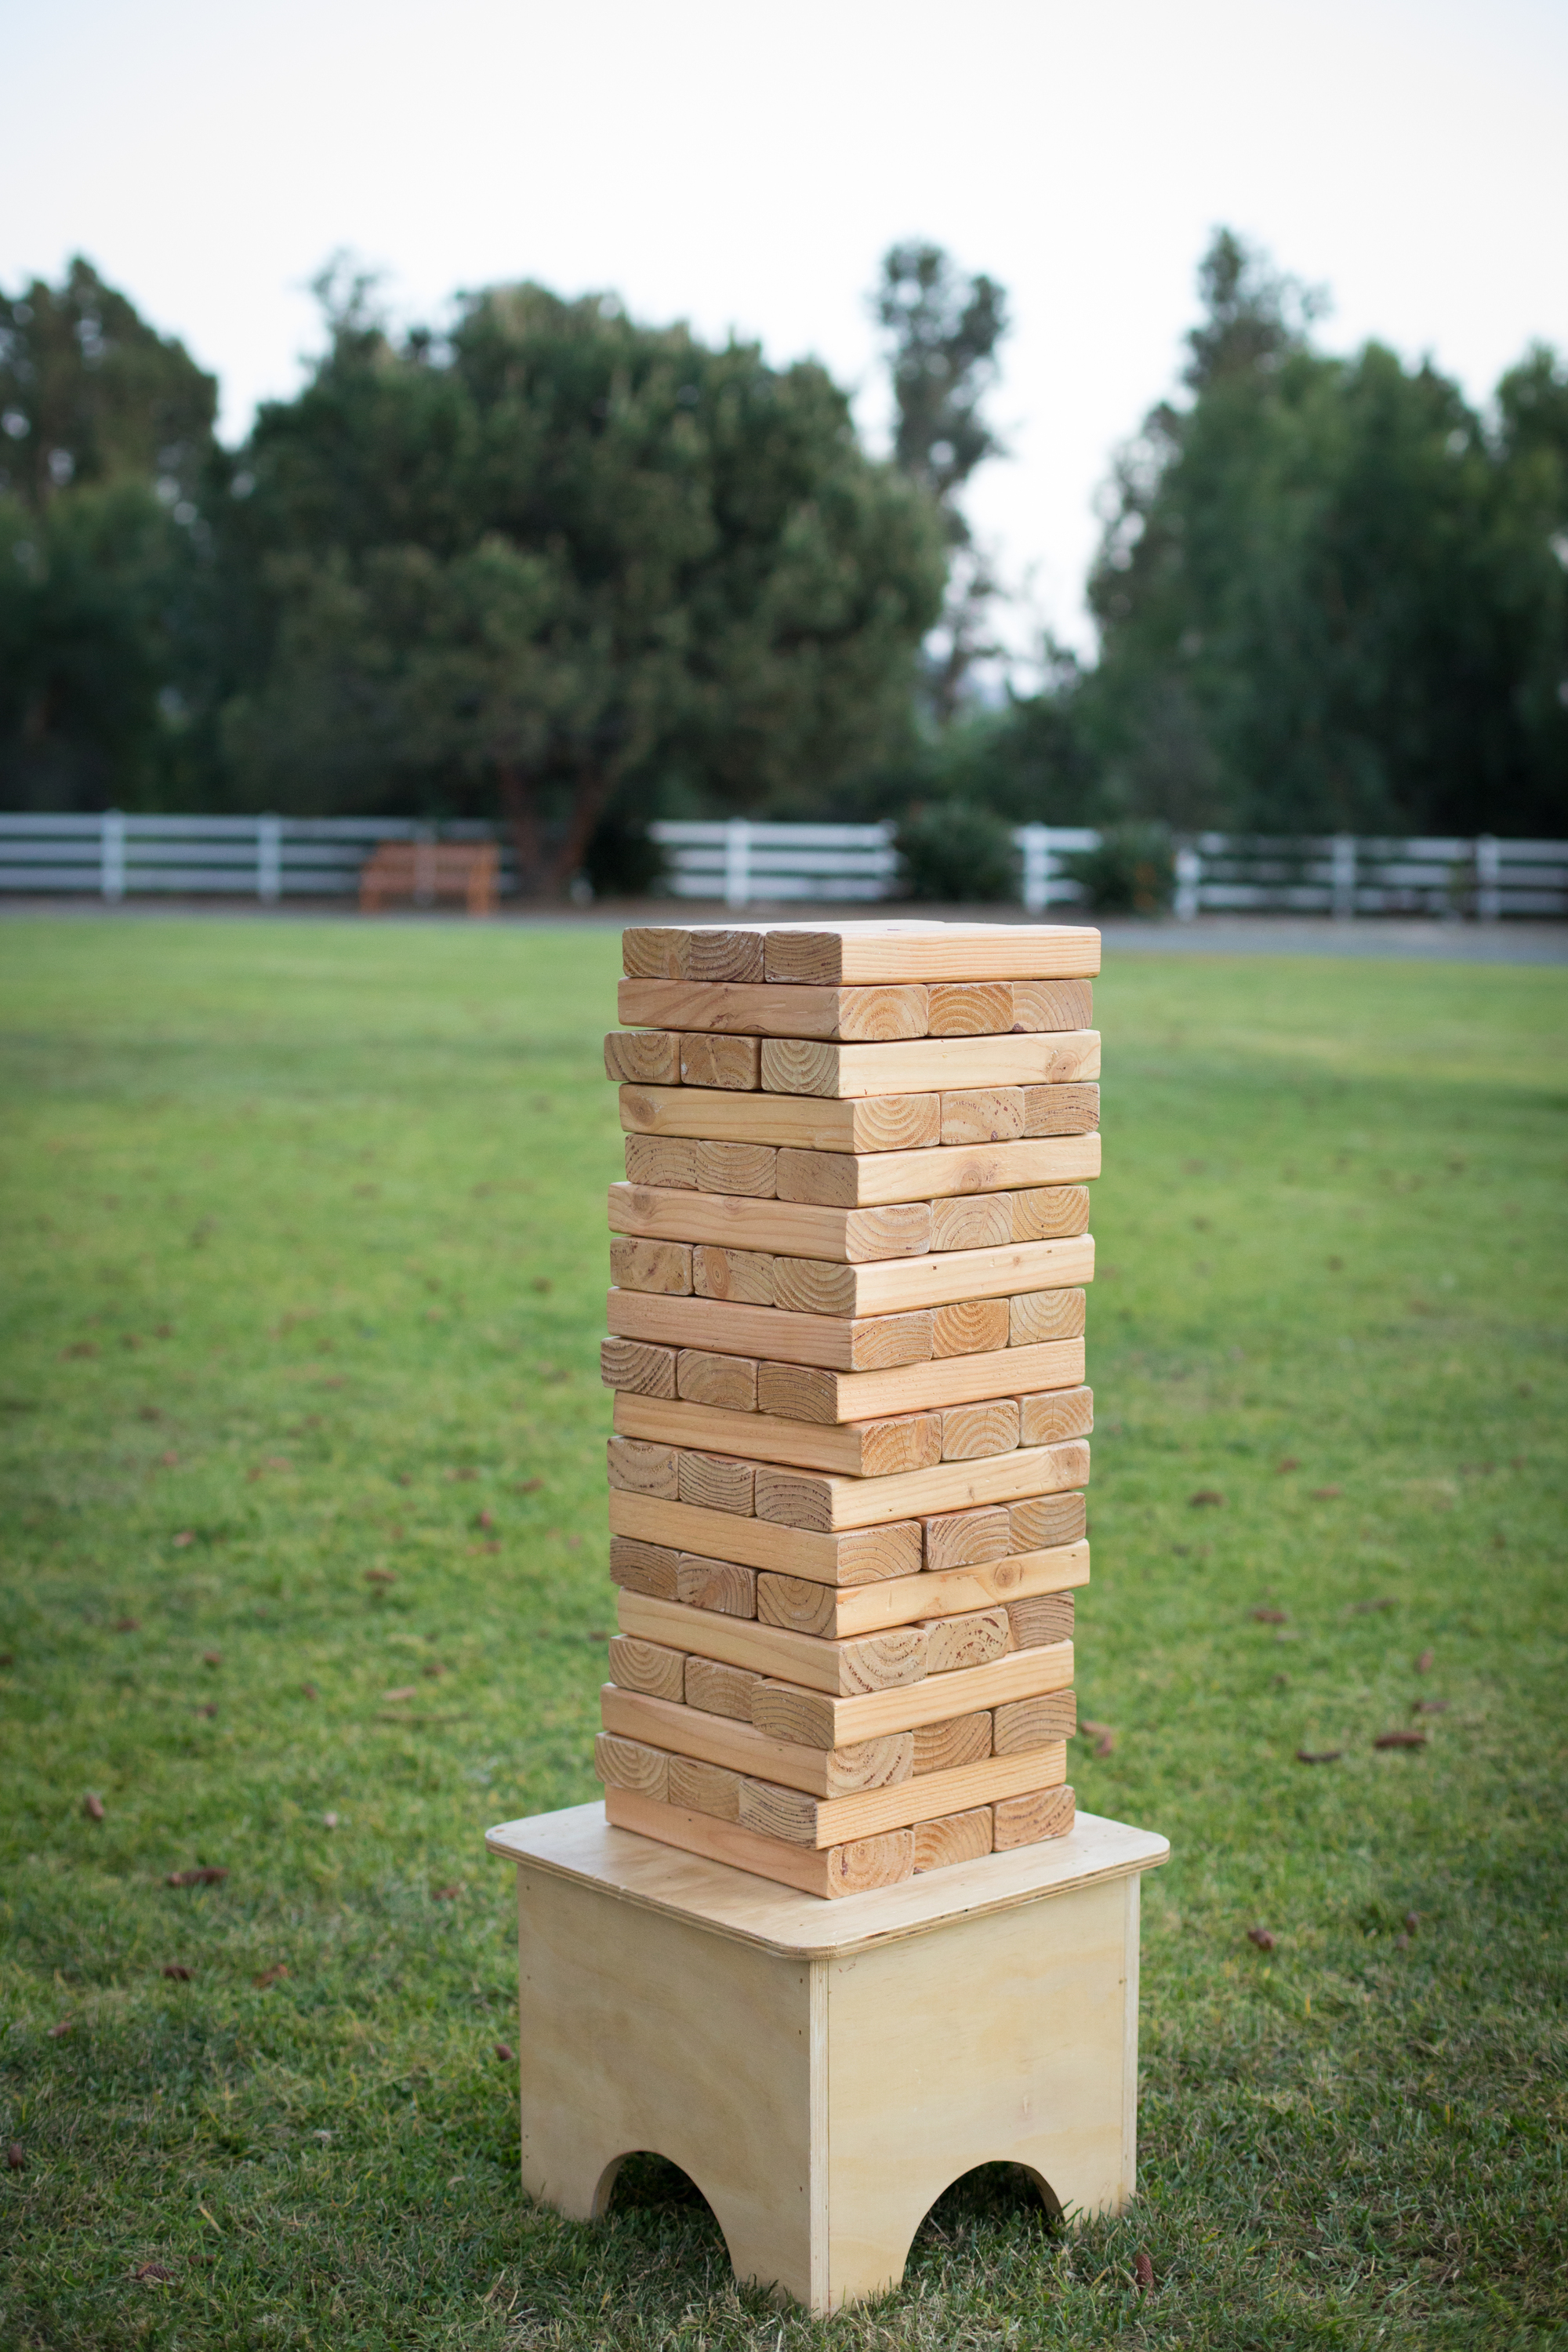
pixel 1030 1820
pixel 955 1837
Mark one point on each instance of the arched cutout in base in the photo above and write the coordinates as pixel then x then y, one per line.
pixel 642 2181
pixel 988 2193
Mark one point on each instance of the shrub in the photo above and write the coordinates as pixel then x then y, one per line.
pixel 954 851
pixel 1132 872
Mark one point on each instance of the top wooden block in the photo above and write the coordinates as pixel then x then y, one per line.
pixel 843 955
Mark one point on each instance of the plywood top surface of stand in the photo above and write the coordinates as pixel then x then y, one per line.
pixel 578 1843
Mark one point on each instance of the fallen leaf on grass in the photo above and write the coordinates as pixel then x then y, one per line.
pixel 1261 1937
pixel 1369 1608
pixel 1210 1495
pixel 80 1348
pixel 1271 1617
pixel 212 1657
pixel 271 1975
pixel 208 1875
pixel 433 1667
pixel 152 2273
pixel 1290 1462
pixel 1325 1494
pixel 1425 1661
pixel 1144 2271
pixel 178 1970
pixel 331 1820
pixel 444 1894
pixel 210 1709
pixel 1400 1739
pixel 505 2051
pixel 404 1690
pixel 1429 1707
pixel 1101 1734
pixel 58 2033
pixel 92 1805
pixel 309 1690
pixel 169 1461
pixel 379 1575
pixel 1318 1755
pixel 186 1535
pixel 1412 1921
pixel 484 1519
pixel 15 2156
pixel 530 1486
pixel 128 1625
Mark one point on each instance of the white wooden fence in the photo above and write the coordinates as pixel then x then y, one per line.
pixel 741 864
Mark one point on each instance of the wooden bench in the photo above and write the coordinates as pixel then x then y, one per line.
pixel 430 871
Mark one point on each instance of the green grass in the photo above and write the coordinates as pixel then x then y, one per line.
pixel 304 1264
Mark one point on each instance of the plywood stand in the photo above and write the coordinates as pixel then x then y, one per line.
pixel 824 2071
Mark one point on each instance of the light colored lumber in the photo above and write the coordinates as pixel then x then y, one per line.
pixel 803 1066
pixel 639 1468
pixel 971 1639
pixel 724 1062
pixel 1027 1723
pixel 809 1393
pixel 859 1015
pixel 865 1449
pixel 969 1008
pixel 664 1267
pixel 699 1787
pixel 1065 1109
pixel 1034 1618
pixel 1048 1211
pixel 630 1764
pixel 975 1221
pixel 789 1814
pixel 629 1364
pixel 720 1584
pixel 850 954
pixel 668 1161
pixel 1061 1413
pixel 1044 1004
pixel 1036 1316
pixel 966 1538
pixel 719 1739
pixel 1040 1522
pixel 974 1326
pixel 642 1057
pixel 798 1123
pixel 958 1837
pixel 744 1276
pixel 713 1688
pixel 870 1661
pixel 855 1556
pixel 806 1498
pixel 901 1285
pixel 835 1342
pixel 944 1746
pixel 649 1666
pixel 716 1482
pixel 746 1170
pixel 788 1710
pixel 840 1611
pixel 981 1115
pixel 642 1567
pixel 787 1227
pixel 1026 1820
pixel 971 1431
pixel 868 1180
pixel 704 952
pixel 728 1383
pixel 841 1870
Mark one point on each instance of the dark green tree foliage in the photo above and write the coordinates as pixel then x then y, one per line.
pixel 106 448
pixel 1330 597
pixel 943 331
pixel 558 560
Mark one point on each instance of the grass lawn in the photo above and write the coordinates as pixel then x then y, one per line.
pixel 305 1582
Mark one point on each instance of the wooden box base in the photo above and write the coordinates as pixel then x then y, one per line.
pixel 823 2071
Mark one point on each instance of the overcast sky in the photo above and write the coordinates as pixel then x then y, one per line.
pixel 744 167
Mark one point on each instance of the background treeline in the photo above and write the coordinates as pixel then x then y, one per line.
pixel 557 567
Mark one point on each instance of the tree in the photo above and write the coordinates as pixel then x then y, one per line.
pixel 558 559
pixel 943 331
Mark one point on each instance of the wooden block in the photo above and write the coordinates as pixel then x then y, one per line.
pixel 717 1482
pixel 728 1383
pixel 700 1788
pixel 862 1449
pixel 1050 1212
pixel 628 1764
pixel 1043 1522
pixel 975 1221
pixel 642 1567
pixel 972 1115
pixel 1041 1004
pixel 1027 1723
pixel 815 1718
pixel 720 1062
pixel 642 1057
pixel 788 1227
pixel 795 1123
pixel 1026 1821
pixel 742 1276
pixel 799 1603
pixel 712 952
pixel 901 1285
pixel 806 1392
pixel 1040 1618
pixel 938 1592
pixel 842 1870
pixel 839 1343
pixel 1037 1315
pixel 720 1584
pixel 717 1689
pixel 668 1161
pixel 787 1812
pixel 957 1837
pixel 747 1169
pixel 846 955
pixel 663 1267
pixel 806 1498
pixel 1058 1414
pixel 967 1539
pixel 918 1065
pixel 872 1662
pixel 973 1639
pixel 648 1666
pixel 858 1015
pixel 851 1179
pixel 640 1468
pixel 971 1008
pixel 956 1739
pixel 971 1431
pixel 974 1326
pixel 854 1556
pixel 628 1364
pixel 1065 1109
pixel 717 1737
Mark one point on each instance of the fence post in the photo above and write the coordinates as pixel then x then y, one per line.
pixel 268 857
pixel 1189 882
pixel 737 863
pixel 1341 884
pixel 1035 841
pixel 1489 879
pixel 111 854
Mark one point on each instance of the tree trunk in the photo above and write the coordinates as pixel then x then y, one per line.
pixel 520 809
pixel 592 790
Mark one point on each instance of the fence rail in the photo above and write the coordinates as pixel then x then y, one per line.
pixel 119 856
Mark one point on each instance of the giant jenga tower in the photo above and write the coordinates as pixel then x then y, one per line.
pixel 847 1473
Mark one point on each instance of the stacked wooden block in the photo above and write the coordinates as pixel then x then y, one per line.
pixel 847 1504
